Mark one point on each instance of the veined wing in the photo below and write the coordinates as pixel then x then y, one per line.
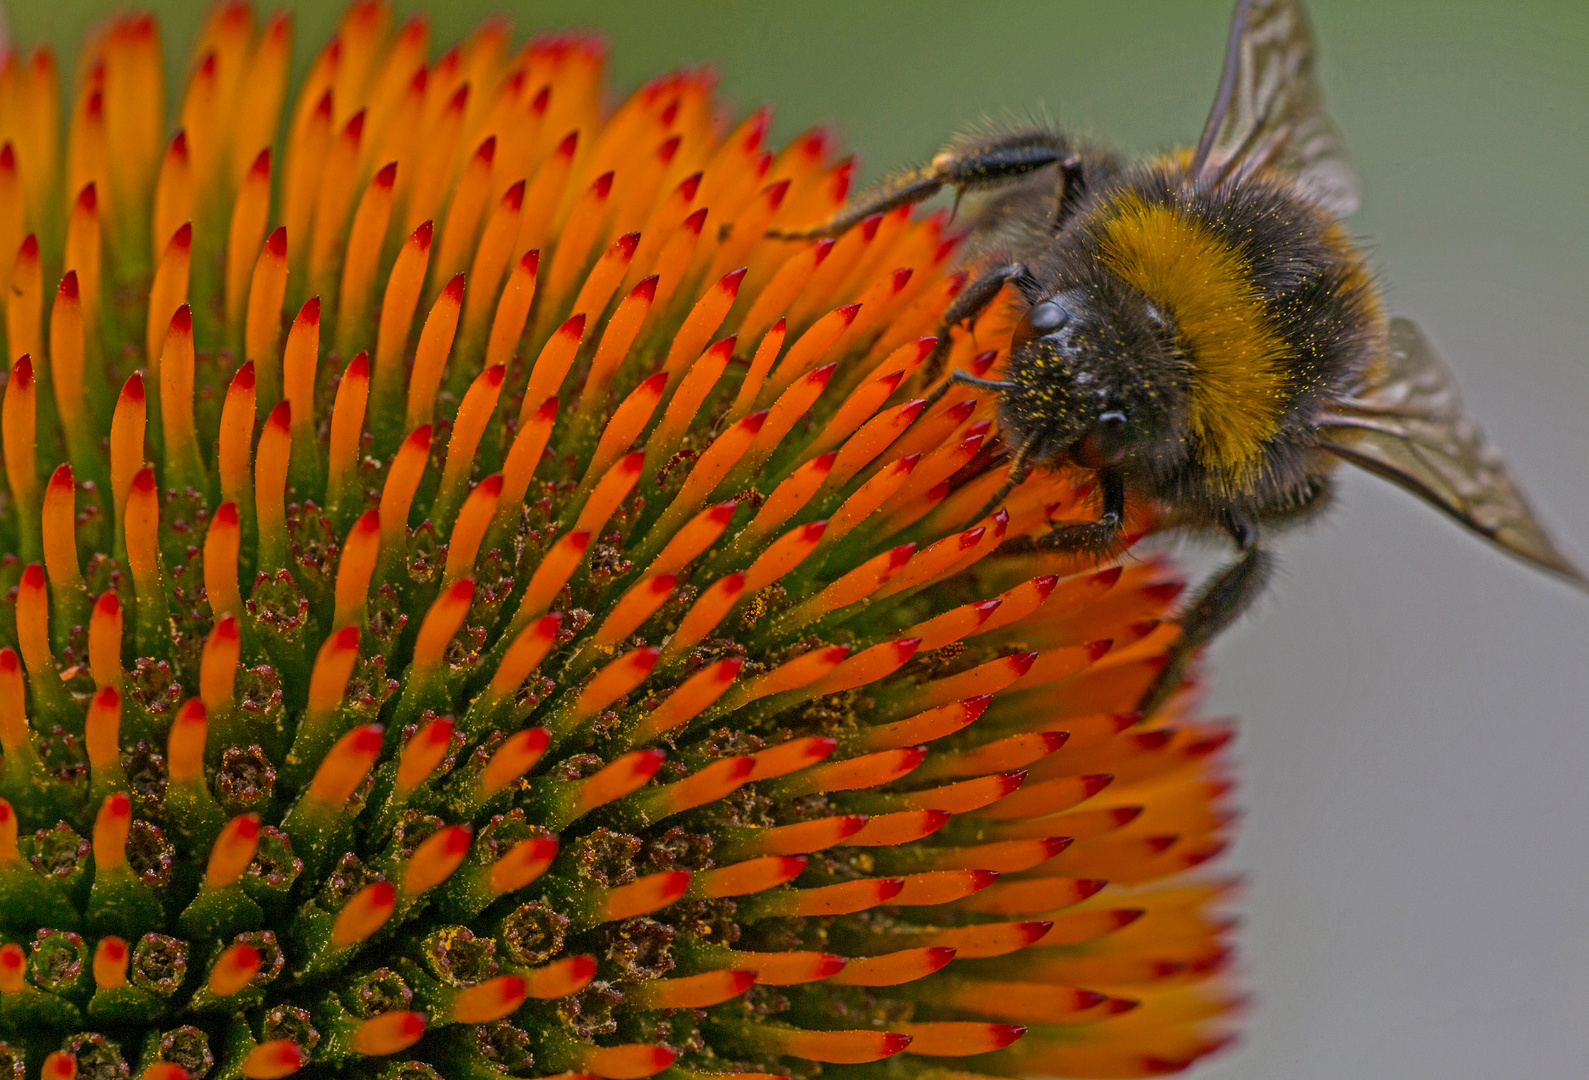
pixel 1269 112
pixel 1410 427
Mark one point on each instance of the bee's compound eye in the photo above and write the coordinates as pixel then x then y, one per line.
pixel 1103 446
pixel 1047 317
pixel 1041 320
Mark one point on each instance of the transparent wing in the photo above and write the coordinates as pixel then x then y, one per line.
pixel 1270 112
pixel 1410 427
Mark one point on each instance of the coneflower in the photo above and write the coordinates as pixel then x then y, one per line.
pixel 478 606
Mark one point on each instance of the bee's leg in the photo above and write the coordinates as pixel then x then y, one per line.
pixel 1219 604
pixel 890 193
pixel 978 294
pixel 1015 479
pixel 973 164
pixel 1094 537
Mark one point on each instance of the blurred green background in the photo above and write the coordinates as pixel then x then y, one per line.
pixel 1414 705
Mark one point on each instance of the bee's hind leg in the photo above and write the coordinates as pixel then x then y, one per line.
pixel 969 164
pixel 1221 602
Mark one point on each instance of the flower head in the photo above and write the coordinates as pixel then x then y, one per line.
pixel 479 606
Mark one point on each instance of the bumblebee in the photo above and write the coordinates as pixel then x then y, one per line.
pixel 1200 332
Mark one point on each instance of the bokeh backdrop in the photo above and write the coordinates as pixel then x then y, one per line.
pixel 1415 707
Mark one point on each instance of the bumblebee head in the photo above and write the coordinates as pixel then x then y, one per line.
pixel 1095 380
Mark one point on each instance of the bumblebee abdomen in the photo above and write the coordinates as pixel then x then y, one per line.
pixel 1270 304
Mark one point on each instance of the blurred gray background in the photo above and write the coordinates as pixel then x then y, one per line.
pixel 1415 706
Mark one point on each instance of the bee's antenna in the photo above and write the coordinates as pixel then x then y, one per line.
pixel 1015 479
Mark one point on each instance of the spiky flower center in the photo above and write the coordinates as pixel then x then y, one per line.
pixel 479 606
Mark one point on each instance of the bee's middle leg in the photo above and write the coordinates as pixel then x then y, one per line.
pixel 1221 603
pixel 977 295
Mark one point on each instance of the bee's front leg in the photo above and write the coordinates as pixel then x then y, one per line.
pixel 1094 537
pixel 1220 603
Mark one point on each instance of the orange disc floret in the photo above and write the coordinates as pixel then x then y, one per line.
pixel 490 607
